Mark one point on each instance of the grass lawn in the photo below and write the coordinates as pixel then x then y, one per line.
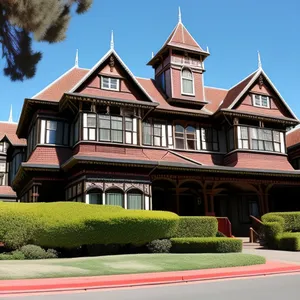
pixel 122 264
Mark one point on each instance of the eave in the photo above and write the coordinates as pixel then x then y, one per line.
pixel 105 100
pixel 178 167
pixel 243 114
pixel 27 110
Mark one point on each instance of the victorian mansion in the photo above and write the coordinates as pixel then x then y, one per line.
pixel 105 136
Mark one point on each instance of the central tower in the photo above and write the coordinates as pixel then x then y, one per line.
pixel 179 67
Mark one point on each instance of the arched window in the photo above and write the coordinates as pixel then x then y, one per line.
pixel 179 137
pixel 185 138
pixel 187 82
pixel 95 196
pixel 115 197
pixel 135 199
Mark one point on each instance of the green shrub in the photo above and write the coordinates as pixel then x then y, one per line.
pixel 206 245
pixel 289 241
pixel 71 224
pixel 15 255
pixel 159 246
pixel 51 253
pixel 197 227
pixel 291 220
pixel 35 252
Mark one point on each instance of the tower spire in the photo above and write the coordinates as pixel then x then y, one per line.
pixel 112 43
pixel 259 60
pixel 76 59
pixel 179 15
pixel 10 119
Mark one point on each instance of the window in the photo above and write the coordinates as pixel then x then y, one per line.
pixel 135 200
pixel 187 82
pixel 89 127
pixel 3 166
pixel 3 147
pixel 52 132
pixel 162 81
pixel 260 139
pixel 115 197
pixel 109 83
pixel 261 101
pixel 153 134
pixel 95 196
pixel 111 128
pixel 209 139
pixel 179 137
pixel 191 137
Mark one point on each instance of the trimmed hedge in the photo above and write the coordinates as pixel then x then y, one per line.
pixel 71 224
pixel 206 245
pixel 280 230
pixel 197 227
pixel 289 241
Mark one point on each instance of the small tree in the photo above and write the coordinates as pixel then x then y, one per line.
pixel 44 20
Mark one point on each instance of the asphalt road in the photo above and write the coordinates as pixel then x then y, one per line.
pixel 261 288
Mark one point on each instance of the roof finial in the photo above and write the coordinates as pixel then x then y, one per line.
pixel 207 50
pixel 259 60
pixel 10 119
pixel 179 15
pixel 112 43
pixel 76 59
pixel 152 55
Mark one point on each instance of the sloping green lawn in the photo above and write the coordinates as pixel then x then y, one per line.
pixel 122 264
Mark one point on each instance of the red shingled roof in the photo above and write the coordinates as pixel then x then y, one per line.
pixel 7 191
pixel 9 130
pixel 293 137
pixel 235 91
pixel 63 84
pixel 180 37
pixel 49 156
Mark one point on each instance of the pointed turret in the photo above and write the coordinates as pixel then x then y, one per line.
pixel 179 67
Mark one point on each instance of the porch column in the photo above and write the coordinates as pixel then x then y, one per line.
pixel 205 202
pixel 125 200
pixel 87 198
pixel 103 198
pixel 177 200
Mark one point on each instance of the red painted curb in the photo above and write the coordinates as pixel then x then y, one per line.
pixel 113 281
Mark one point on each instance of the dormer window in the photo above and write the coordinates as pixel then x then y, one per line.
pixel 187 82
pixel 110 83
pixel 261 101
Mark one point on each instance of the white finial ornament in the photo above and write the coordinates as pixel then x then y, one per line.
pixel 152 55
pixel 259 60
pixel 10 119
pixel 112 43
pixel 207 50
pixel 179 15
pixel 76 59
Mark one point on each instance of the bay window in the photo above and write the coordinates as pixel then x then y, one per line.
pixel 89 127
pixel 262 139
pixel 135 200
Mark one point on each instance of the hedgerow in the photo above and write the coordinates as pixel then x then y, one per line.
pixel 281 230
pixel 197 227
pixel 69 225
pixel 206 245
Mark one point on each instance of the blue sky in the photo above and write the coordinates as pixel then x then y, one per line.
pixel 233 29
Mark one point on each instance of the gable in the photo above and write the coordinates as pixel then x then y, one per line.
pixel 111 67
pixel 261 87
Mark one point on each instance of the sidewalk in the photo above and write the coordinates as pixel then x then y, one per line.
pixel 98 282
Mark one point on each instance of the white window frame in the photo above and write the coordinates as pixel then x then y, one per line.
pixel 109 83
pixel 191 79
pixel 260 101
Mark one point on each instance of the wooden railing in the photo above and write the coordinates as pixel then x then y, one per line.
pixel 224 226
pixel 255 230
